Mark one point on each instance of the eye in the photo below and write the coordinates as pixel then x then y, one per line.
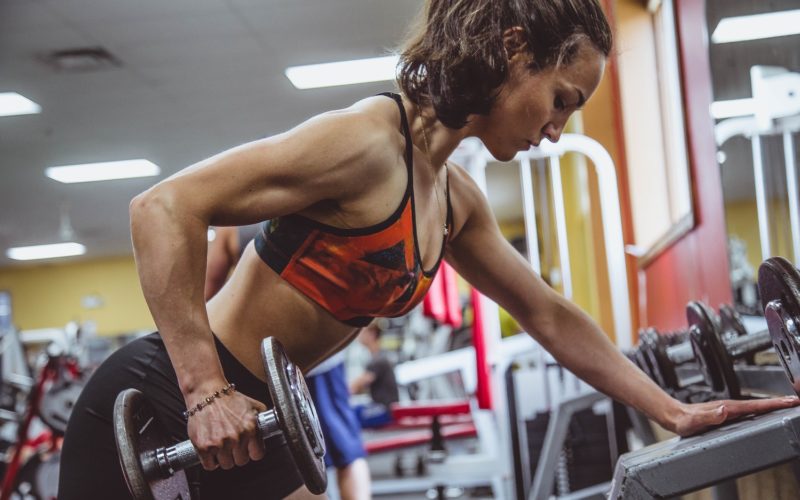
pixel 559 103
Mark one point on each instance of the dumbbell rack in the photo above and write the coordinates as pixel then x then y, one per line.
pixel 682 465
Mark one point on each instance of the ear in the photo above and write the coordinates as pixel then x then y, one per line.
pixel 514 42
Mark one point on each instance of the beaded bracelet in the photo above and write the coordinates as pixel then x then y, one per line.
pixel 228 389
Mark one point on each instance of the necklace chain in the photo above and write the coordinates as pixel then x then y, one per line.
pixel 445 230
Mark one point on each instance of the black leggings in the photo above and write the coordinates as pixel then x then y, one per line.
pixel 89 465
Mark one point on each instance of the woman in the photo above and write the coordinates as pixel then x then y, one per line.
pixel 362 205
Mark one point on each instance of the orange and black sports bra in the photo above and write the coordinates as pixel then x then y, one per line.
pixel 355 274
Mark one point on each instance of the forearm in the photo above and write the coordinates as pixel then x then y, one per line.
pixel 170 252
pixel 579 344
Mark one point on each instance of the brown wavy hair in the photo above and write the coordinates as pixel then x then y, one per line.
pixel 455 58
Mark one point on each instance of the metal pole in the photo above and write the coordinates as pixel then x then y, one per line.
pixel 529 212
pixel 612 222
pixel 791 186
pixel 561 225
pixel 761 198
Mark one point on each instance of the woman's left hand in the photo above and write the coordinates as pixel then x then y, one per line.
pixel 696 418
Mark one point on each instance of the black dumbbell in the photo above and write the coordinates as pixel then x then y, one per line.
pixel 779 287
pixel 653 348
pixel 716 356
pixel 155 471
pixel 730 322
pixel 664 356
pixel 640 358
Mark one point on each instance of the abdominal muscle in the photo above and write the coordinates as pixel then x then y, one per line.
pixel 257 303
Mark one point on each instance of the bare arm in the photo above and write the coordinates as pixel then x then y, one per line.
pixel 253 182
pixel 362 382
pixel 480 253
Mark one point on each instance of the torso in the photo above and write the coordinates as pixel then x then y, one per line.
pixel 256 302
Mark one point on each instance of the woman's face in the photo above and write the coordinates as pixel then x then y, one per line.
pixel 533 106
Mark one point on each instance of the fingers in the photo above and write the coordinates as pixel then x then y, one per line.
pixel 258 405
pixel 225 455
pixel 255 449
pixel 248 439
pixel 226 433
pixel 208 459
pixel 755 406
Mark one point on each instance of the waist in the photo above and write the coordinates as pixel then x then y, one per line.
pixel 256 303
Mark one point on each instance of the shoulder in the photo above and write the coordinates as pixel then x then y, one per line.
pixel 377 123
pixel 352 141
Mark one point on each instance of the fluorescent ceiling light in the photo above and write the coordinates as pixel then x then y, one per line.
pixel 734 107
pixel 769 25
pixel 343 73
pixel 212 235
pixel 46 251
pixel 12 104
pixel 104 171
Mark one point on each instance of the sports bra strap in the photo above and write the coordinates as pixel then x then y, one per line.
pixel 406 130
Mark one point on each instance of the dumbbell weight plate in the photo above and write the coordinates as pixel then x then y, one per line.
pixel 640 359
pixel 296 415
pixel 137 429
pixel 710 353
pixel 666 368
pixel 779 286
pixel 730 322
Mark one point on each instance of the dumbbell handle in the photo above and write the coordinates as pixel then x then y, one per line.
pixel 737 348
pixel 748 344
pixel 164 462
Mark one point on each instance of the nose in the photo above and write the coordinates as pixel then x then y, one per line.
pixel 552 132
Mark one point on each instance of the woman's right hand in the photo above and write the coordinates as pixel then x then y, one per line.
pixel 225 433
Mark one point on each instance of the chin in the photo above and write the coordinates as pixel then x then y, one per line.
pixel 504 155
pixel 502 152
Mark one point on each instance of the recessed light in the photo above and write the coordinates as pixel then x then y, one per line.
pixel 333 74
pixel 13 104
pixel 49 251
pixel 104 171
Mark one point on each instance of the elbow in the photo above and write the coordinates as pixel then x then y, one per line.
pixel 151 208
pixel 140 205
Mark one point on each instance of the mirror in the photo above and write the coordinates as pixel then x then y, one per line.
pixel 756 110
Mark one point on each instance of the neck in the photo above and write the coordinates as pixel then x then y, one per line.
pixel 441 140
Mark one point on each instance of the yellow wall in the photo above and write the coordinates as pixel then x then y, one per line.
pixel 741 218
pixel 589 275
pixel 47 296
pixel 598 123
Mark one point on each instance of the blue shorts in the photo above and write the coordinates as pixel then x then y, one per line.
pixel 337 418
